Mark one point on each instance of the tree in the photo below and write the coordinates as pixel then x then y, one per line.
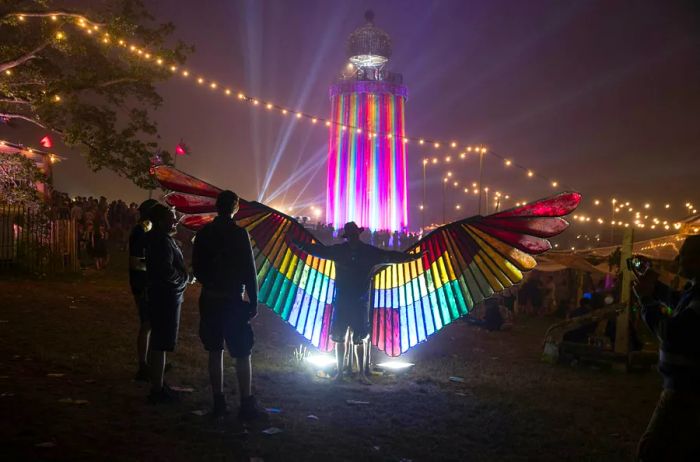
pixel 87 76
pixel 18 178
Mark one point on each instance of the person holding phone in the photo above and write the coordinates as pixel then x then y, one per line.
pixel 672 433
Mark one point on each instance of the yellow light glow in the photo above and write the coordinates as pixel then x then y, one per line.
pixel 530 173
pixel 668 206
pixel 147 56
pixel 437 145
pixel 508 162
pixel 284 111
pixel 596 202
pixel 173 68
pixel 185 73
pixel 159 62
pixel 200 80
pixel 435 160
pixel 462 156
pixel 57 98
pixel 314 120
pixel 647 205
pixel 448 158
pixel 421 141
pixel 255 102
pixel 328 124
pixel 59 35
pixel 54 17
pixel 241 96
pixel 227 91
pixel 483 150
pixel 425 161
pixel 213 85
pixel 299 117
pixel 449 173
pixel 554 184
pixel 453 144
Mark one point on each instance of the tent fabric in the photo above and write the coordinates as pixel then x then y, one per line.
pixel 660 248
pixel 558 261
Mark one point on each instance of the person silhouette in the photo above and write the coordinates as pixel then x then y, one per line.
pixel 355 264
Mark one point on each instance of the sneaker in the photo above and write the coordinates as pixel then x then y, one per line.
pixel 250 410
pixel 142 375
pixel 165 396
pixel 220 409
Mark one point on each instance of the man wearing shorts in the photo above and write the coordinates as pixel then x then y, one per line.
pixel 137 281
pixel 167 280
pixel 222 259
pixel 355 265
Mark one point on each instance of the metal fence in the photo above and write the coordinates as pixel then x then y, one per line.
pixel 32 242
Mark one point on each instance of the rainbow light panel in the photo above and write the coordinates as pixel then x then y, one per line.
pixel 367 165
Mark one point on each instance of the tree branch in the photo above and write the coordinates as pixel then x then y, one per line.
pixel 24 58
pixel 109 83
pixel 14 101
pixel 23 117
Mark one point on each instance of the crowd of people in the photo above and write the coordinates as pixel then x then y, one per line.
pixel 101 225
pixel 383 239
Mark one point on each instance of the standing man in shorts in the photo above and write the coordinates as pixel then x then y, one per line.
pixel 222 259
pixel 355 265
pixel 167 280
pixel 137 281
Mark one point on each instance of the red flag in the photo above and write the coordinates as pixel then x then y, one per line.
pixel 46 142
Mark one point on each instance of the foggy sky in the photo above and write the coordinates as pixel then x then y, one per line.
pixel 602 96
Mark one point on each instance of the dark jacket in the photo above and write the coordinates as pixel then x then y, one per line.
pixel 222 260
pixel 137 259
pixel 678 331
pixel 165 269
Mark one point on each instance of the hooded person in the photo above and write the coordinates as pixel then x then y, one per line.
pixel 355 264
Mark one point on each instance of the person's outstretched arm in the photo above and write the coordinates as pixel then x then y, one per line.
pixel 316 250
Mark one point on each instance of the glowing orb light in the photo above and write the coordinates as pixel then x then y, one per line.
pixel 395 365
pixel 321 361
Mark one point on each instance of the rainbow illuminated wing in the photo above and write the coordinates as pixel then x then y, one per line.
pixel 295 285
pixel 465 262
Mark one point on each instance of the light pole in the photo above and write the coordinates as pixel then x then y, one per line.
pixel 612 221
pixel 422 207
pixel 444 199
pixel 481 175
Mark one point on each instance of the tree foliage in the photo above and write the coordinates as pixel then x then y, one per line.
pixel 18 178
pixel 85 86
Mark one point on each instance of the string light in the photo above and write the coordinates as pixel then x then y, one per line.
pixel 90 27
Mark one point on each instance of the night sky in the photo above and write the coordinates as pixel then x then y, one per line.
pixel 602 96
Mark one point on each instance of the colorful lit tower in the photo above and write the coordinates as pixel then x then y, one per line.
pixel 367 151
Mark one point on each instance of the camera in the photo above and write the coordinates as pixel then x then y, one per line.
pixel 638 264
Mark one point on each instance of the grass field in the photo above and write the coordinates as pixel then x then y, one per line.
pixel 75 340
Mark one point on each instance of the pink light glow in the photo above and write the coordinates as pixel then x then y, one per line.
pixel 367 180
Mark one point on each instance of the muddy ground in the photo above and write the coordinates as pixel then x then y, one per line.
pixel 67 357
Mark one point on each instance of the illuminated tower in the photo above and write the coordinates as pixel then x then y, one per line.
pixel 366 151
